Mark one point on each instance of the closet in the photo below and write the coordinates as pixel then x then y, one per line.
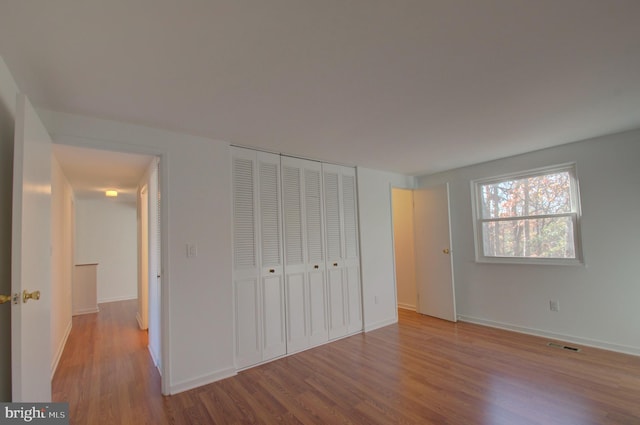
pixel 257 258
pixel 296 269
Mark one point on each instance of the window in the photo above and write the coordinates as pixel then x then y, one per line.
pixel 529 217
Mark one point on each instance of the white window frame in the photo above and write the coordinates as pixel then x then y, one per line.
pixel 575 214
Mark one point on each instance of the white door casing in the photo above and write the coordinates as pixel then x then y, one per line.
pixel 434 256
pixel 31 257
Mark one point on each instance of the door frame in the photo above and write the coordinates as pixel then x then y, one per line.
pixel 393 240
pixel 163 179
pixel 413 189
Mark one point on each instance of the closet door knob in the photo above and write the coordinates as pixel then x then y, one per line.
pixel 272 270
pixel 335 264
pixel 316 266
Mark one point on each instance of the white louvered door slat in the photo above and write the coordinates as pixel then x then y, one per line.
pixel 291 182
pixel 244 234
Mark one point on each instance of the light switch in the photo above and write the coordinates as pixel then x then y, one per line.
pixel 192 250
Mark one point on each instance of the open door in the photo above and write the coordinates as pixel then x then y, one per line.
pixel 31 258
pixel 434 262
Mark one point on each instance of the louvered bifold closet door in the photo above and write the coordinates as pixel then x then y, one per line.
pixel 351 250
pixel 316 265
pixel 246 270
pixel 304 254
pixel 336 285
pixel 271 268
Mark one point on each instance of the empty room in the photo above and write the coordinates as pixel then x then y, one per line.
pixel 365 212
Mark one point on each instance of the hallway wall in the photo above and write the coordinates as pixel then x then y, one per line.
pixel 106 233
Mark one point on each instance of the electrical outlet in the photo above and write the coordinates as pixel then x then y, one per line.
pixel 554 305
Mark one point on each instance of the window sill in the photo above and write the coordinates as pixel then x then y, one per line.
pixel 531 261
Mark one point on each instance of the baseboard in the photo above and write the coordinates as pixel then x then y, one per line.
pixel 202 380
pixel 155 361
pixel 407 307
pixel 114 299
pixel 86 311
pixel 552 335
pixel 56 360
pixel 380 324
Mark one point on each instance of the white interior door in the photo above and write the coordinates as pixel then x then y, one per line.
pixel 154 267
pixel 143 260
pixel 434 261
pixel 31 258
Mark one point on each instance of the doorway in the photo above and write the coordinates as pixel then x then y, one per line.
pixel 422 249
pixel 89 173
pixel 404 248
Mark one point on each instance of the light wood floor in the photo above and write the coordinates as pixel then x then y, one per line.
pixel 421 371
pixel 106 373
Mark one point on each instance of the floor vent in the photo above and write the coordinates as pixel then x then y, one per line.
pixel 564 347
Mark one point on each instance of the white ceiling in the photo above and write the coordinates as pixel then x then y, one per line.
pixel 414 86
pixel 92 172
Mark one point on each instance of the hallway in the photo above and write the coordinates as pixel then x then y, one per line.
pixel 106 372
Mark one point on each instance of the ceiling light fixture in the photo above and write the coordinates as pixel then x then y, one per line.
pixel 111 193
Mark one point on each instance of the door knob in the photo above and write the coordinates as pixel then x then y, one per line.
pixel 5 299
pixel 446 250
pixel 35 295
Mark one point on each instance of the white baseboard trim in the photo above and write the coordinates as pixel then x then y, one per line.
pixel 552 335
pixel 56 359
pixel 202 380
pixel 380 324
pixel 86 311
pixel 156 363
pixel 407 306
pixel 114 299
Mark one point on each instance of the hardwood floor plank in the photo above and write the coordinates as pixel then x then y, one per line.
pixel 419 371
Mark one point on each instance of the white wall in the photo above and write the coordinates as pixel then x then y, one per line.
pixel 196 292
pixel 106 233
pixel 8 92
pixel 61 260
pixel 404 244
pixel 376 245
pixel 599 302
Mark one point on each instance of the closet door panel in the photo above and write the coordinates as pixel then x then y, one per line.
pixel 318 327
pixel 247 321
pixel 296 300
pixel 316 266
pixel 271 256
pixel 297 334
pixel 337 305
pixel 246 271
pixel 273 318
pixel 352 251
pixel 354 299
